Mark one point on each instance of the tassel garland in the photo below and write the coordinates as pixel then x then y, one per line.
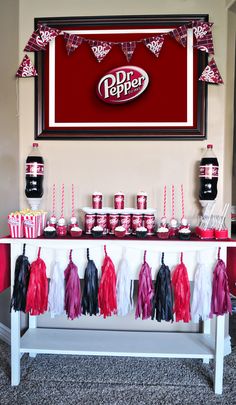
pixel 201 303
pixel 21 281
pixel 90 292
pixel 56 290
pixel 220 301
pixel 181 287
pixel 163 300
pixel 145 292
pixel 37 294
pixel 107 289
pixel 124 289
pixel 72 290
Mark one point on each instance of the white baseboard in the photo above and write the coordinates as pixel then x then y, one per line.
pixel 5 333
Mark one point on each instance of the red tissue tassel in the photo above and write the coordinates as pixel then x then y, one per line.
pixel 72 290
pixel 220 300
pixel 107 290
pixel 37 294
pixel 145 291
pixel 181 287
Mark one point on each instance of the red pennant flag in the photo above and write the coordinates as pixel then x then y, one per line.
pixel 203 35
pixel 26 68
pixel 35 43
pixel 180 35
pixel 154 44
pixel 100 49
pixel 211 73
pixel 128 48
pixel 72 42
pixel 47 33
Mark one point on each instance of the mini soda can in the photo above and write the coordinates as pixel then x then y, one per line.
pixel 142 200
pixel 90 220
pixel 119 201
pixel 149 223
pixel 125 221
pixel 97 200
pixel 102 221
pixel 137 221
pixel 113 222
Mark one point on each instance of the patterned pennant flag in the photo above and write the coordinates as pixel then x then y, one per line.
pixel 203 36
pixel 211 73
pixel 100 49
pixel 26 68
pixel 128 48
pixel 72 42
pixel 35 43
pixel 47 33
pixel 154 44
pixel 180 35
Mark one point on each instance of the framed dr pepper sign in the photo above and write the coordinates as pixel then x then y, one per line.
pixel 123 77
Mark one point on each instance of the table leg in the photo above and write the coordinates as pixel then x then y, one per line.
pixel 219 354
pixel 15 348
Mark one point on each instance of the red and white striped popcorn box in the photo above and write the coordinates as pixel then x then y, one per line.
pixel 15 223
pixel 30 226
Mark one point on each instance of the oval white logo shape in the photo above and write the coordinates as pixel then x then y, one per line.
pixel 122 84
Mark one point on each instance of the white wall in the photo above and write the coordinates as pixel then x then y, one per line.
pixel 9 150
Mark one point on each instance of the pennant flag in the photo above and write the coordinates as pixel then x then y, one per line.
pixel 180 35
pixel 100 49
pixel 203 35
pixel 128 48
pixel 72 42
pixel 47 33
pixel 26 68
pixel 154 44
pixel 211 73
pixel 35 43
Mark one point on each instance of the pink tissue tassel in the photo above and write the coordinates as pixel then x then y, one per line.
pixel 145 292
pixel 72 291
pixel 220 301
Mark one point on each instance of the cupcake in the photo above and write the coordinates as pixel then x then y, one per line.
pixel 163 232
pixel 141 232
pixel 49 232
pixel 73 222
pixel 184 233
pixel 120 231
pixel 75 231
pixel 97 231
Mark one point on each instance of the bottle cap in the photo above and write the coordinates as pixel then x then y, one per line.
pixel 209 146
pixel 35 145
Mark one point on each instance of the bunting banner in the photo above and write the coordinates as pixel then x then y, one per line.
pixel 47 33
pixel 73 41
pixel 26 68
pixel 154 44
pixel 180 35
pixel 203 36
pixel 128 48
pixel 34 43
pixel 211 73
pixel 100 49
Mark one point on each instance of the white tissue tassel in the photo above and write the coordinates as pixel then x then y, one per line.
pixel 124 289
pixel 201 303
pixel 56 296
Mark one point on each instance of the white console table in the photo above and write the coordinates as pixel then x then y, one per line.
pixel 36 340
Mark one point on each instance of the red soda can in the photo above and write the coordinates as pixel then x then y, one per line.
pixel 125 221
pixel 119 201
pixel 149 223
pixel 102 221
pixel 97 200
pixel 90 220
pixel 142 200
pixel 137 221
pixel 113 222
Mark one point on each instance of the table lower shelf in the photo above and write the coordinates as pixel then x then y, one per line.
pixel 117 343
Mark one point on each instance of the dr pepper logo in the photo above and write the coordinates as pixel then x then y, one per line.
pixel 122 84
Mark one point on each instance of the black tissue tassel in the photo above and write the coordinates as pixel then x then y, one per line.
pixel 90 292
pixel 163 299
pixel 21 281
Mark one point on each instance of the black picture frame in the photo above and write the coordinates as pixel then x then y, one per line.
pixel 198 132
